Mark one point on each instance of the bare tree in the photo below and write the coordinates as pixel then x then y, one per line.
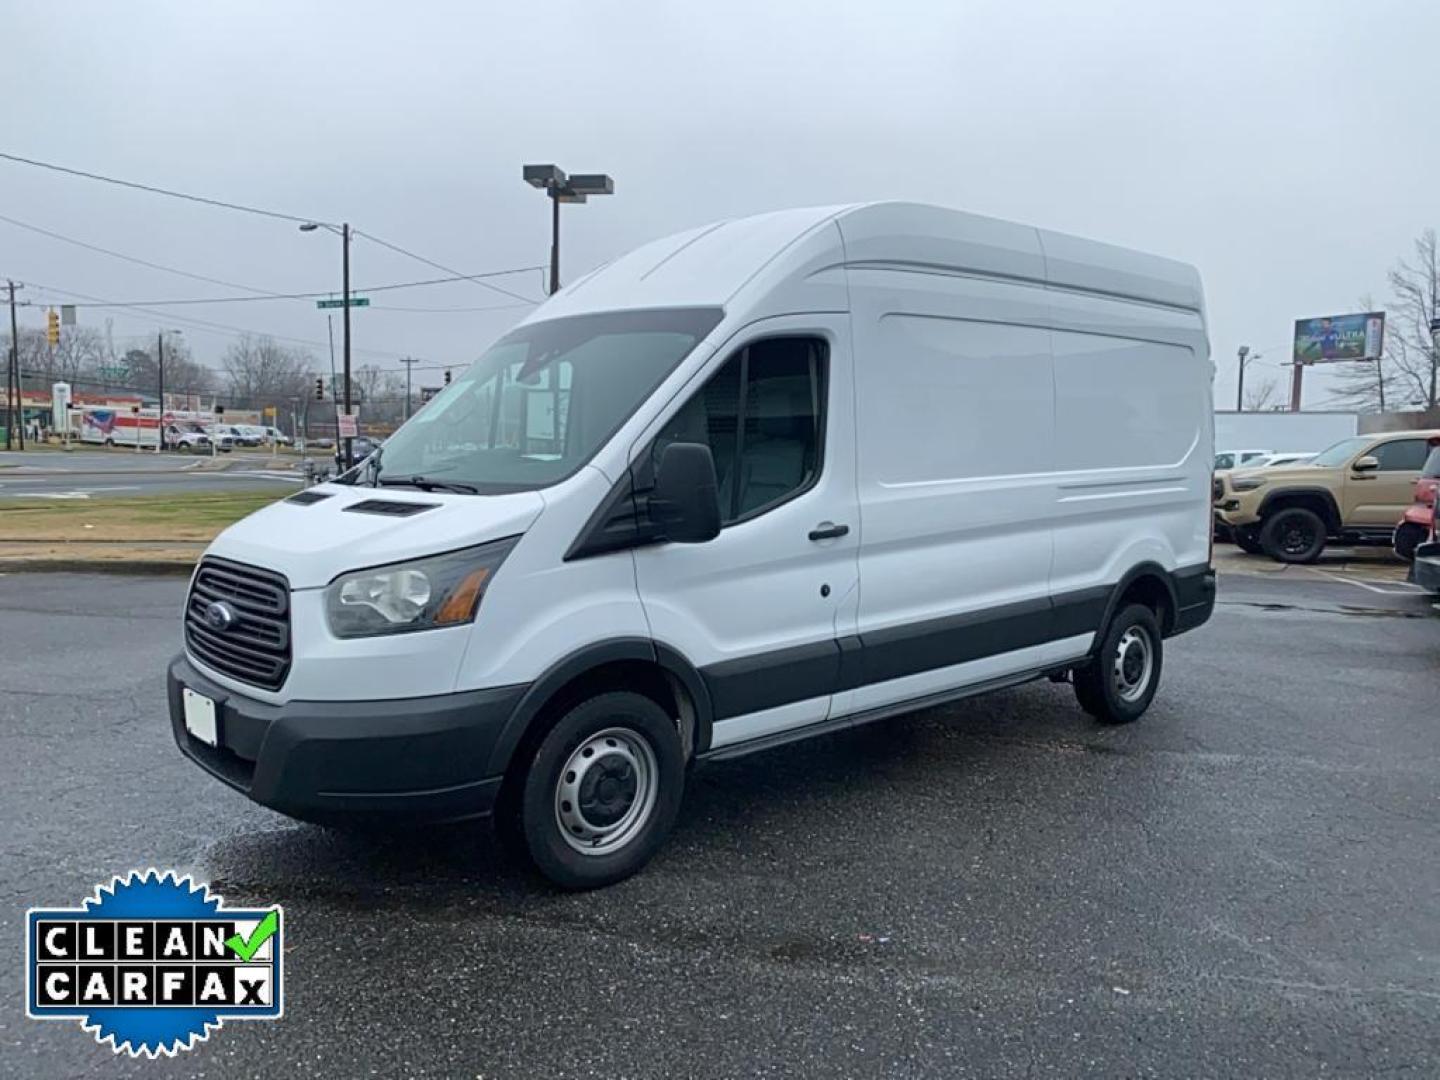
pixel 261 372
pixel 75 359
pixel 365 382
pixel 183 375
pixel 1261 395
pixel 1406 375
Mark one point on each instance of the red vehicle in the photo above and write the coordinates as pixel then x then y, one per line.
pixel 1415 526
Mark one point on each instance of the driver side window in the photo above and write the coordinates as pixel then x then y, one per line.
pixel 762 415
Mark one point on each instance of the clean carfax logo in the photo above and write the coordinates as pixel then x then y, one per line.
pixel 152 963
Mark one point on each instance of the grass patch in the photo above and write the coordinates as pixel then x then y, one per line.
pixel 138 517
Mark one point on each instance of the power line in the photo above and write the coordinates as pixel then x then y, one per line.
pixel 159 190
pixel 439 266
pixel 476 279
pixel 260 294
pixel 236 331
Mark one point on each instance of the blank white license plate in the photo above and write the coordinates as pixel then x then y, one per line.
pixel 200 716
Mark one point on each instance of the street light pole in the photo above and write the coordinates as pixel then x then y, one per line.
pixel 554 244
pixel 1240 385
pixel 561 188
pixel 409 362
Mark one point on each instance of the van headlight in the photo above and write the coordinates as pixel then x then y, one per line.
pixel 1246 483
pixel 443 590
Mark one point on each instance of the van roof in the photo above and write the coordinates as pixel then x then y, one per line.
pixel 708 266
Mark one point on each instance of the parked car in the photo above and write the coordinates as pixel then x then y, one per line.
pixel 1352 493
pixel 185 440
pixel 553 630
pixel 1425 570
pixel 1234 459
pixel 1419 520
pixel 275 435
pixel 362 446
pixel 241 435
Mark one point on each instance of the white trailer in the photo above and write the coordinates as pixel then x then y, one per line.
pixel 1276 431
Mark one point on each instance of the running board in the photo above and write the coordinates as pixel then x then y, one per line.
pixel 869 716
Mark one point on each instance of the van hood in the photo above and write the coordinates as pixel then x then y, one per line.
pixel 312 543
pixel 1282 474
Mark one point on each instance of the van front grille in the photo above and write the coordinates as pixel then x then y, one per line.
pixel 253 644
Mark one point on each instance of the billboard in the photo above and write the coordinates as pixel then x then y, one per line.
pixel 1336 338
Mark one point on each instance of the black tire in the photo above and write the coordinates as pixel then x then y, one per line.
pixel 1118 685
pixel 109 442
pixel 632 781
pixel 1247 541
pixel 1293 535
pixel 1409 536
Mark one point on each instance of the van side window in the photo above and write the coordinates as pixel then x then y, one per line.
pixel 762 416
pixel 1402 455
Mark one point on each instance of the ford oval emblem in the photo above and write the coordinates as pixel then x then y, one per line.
pixel 220 616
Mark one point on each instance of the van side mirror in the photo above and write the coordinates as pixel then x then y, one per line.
pixel 1368 463
pixel 685 503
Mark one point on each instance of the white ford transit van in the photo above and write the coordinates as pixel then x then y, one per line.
pixel 755 482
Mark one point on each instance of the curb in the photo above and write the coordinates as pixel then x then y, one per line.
pixel 101 543
pixel 138 567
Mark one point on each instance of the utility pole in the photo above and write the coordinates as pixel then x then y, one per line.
pixel 160 369
pixel 409 362
pixel 345 275
pixel 330 331
pixel 16 404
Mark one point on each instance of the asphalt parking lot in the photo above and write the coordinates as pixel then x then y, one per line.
pixel 1245 883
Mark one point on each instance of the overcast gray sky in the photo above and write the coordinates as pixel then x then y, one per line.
pixel 1286 148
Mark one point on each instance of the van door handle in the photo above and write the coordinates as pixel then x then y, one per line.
pixel 828 530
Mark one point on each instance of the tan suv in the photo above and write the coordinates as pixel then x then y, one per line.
pixel 1354 492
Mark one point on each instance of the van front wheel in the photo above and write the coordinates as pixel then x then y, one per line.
pixel 1118 685
pixel 602 791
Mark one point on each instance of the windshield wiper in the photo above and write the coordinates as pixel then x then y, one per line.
pixel 426 483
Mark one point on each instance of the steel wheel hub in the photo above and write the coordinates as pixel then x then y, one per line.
pixel 606 791
pixel 1133 664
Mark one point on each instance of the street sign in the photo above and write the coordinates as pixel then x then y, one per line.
pixel 349 425
pixel 355 301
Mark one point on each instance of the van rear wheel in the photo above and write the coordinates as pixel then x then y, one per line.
pixel 602 791
pixel 1118 685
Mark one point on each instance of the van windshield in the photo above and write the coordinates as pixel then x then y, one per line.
pixel 1341 452
pixel 542 400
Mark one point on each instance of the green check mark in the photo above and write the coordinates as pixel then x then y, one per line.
pixel 245 948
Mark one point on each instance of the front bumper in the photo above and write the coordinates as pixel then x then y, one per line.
pixel 1232 513
pixel 406 759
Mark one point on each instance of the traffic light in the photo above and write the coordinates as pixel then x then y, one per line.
pixel 52 327
pixel 447 376
pixel 319 389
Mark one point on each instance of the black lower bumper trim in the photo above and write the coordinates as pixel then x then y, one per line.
pixel 409 758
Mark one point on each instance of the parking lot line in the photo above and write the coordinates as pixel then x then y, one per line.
pixel 1404 589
